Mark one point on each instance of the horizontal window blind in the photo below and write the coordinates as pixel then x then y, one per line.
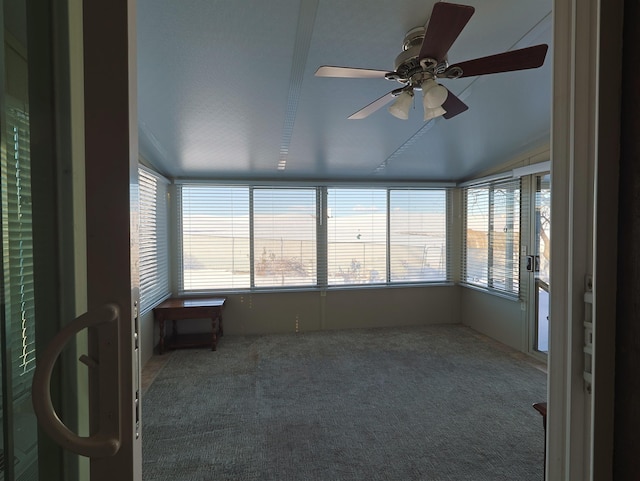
pixel 356 236
pixel 154 238
pixel 284 237
pixel 418 235
pixel 475 259
pixel 268 237
pixel 491 256
pixel 505 237
pixel 214 237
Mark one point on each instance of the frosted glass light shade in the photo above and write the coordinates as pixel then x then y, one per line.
pixel 433 94
pixel 400 107
pixel 433 113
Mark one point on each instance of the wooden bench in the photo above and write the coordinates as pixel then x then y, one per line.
pixel 542 409
pixel 181 309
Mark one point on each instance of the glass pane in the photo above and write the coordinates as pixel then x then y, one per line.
pixel 542 318
pixel 154 239
pixel 215 237
pixel 284 236
pixel 418 235
pixel 543 225
pixel 356 236
pixel 543 256
pixel 477 236
pixel 21 451
pixel 505 238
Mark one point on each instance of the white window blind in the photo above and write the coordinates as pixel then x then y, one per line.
pixel 18 248
pixel 284 237
pixel 356 236
pixel 154 239
pixel 215 237
pixel 476 236
pixel 418 235
pixel 491 256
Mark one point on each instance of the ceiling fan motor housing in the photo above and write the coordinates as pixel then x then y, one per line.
pixel 409 69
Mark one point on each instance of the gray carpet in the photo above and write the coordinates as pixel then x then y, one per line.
pixel 425 403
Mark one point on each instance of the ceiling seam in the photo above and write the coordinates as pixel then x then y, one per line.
pixel 423 130
pixel 304 31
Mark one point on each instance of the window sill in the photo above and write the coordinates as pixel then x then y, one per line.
pixel 271 290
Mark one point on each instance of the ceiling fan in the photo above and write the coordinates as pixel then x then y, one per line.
pixel 423 60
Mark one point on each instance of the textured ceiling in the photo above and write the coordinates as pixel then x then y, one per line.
pixel 226 89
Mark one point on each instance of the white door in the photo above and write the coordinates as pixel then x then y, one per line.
pixel 69 197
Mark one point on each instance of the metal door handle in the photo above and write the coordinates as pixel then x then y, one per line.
pixel 107 440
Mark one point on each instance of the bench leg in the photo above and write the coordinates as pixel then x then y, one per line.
pixel 214 335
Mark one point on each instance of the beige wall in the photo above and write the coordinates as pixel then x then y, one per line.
pixel 281 312
pixel 497 317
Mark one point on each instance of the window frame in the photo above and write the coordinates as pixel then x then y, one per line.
pixel 490 286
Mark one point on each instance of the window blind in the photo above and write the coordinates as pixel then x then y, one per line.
pixel 18 248
pixel 214 237
pixel 491 246
pixel 271 237
pixel 418 235
pixel 356 236
pixel 154 238
pixel 284 237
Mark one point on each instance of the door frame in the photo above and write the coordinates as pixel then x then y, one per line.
pixel 111 175
pixel 585 129
pixel 90 123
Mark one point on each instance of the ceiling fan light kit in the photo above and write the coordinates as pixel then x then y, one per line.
pixel 433 113
pixel 433 94
pixel 424 59
pixel 400 108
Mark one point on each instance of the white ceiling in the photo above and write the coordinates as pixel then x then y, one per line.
pixel 226 89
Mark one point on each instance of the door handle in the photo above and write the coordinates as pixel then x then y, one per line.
pixel 106 441
pixel 533 263
pixel 530 263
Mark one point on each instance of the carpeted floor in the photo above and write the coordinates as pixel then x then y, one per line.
pixel 424 403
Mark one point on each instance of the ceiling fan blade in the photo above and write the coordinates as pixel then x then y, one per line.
pixel 453 106
pixel 372 107
pixel 521 59
pixel 446 22
pixel 349 72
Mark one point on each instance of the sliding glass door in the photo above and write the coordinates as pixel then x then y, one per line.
pixel 542 218
pixel 65 249
pixel 538 262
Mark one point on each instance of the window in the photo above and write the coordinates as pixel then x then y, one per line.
pixel 17 238
pixel 242 237
pixel 418 235
pixel 154 239
pixel 284 237
pixel 356 236
pixel 492 236
pixel 215 237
